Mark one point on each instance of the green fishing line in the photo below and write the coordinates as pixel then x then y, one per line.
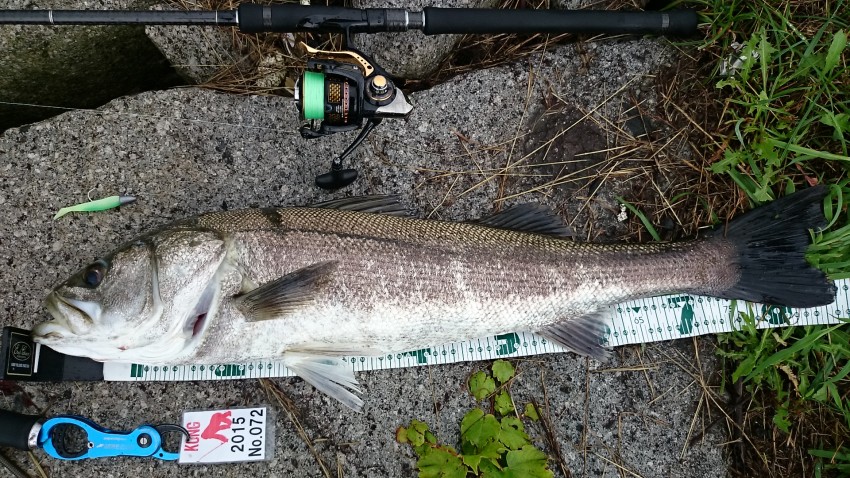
pixel 97 205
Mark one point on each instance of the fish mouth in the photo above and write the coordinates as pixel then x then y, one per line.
pixel 69 317
pixel 49 333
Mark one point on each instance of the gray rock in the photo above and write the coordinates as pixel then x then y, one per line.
pixel 471 144
pixel 197 53
pixel 74 67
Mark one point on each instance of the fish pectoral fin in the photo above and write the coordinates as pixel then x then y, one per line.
pixel 376 204
pixel 330 375
pixel 581 335
pixel 529 217
pixel 286 294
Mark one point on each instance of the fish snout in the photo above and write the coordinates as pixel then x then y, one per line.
pixel 70 315
pixel 49 332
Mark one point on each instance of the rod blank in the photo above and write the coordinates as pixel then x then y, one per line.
pixel 117 17
pixel 252 18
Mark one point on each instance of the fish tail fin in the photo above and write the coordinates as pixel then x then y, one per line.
pixel 770 244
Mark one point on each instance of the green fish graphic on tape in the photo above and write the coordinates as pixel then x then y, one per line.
pixel 359 277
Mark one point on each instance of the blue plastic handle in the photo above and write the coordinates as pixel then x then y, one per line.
pixel 101 442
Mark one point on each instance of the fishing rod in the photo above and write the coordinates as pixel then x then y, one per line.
pixel 347 90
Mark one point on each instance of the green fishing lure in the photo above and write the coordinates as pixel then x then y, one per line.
pixel 97 205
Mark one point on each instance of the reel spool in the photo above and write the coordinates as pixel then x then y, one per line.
pixel 343 91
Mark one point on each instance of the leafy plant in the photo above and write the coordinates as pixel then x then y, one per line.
pixel 784 83
pixel 796 364
pixel 492 445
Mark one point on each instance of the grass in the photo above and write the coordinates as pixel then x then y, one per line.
pixel 785 122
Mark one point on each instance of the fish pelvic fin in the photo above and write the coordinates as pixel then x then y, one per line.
pixel 529 217
pixel 770 244
pixel 582 335
pixel 330 375
pixel 286 294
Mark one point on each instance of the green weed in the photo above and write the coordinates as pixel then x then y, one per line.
pixel 786 121
pixel 786 84
pixel 492 445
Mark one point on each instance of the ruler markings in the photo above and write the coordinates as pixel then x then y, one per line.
pixel 639 321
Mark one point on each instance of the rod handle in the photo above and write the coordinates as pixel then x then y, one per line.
pixel 440 21
pixel 17 429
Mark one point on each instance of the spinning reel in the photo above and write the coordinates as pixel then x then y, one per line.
pixel 340 91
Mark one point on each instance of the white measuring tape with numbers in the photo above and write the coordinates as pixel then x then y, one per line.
pixel 638 321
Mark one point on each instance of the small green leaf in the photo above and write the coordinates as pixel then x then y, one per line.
pixel 529 462
pixel 840 122
pixel 765 55
pixel 438 462
pixel 492 451
pixel 415 433
pixel 531 412
pixel 477 429
pixel 470 418
pixel 503 403
pixel 491 469
pixel 512 433
pixel 481 385
pixel 781 418
pixel 744 368
pixel 472 462
pixel 414 437
pixel 767 151
pixel 833 55
pixel 419 425
pixel 503 371
pixel 401 435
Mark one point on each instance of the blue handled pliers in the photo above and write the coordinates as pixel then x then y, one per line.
pixel 71 437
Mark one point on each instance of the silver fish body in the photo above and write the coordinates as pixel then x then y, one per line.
pixel 308 284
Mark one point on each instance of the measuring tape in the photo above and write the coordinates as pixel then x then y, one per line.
pixel 638 321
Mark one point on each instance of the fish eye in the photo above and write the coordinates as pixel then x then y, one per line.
pixel 93 275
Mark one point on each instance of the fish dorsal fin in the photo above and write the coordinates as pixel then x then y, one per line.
pixel 286 294
pixel 581 335
pixel 375 204
pixel 529 217
pixel 330 375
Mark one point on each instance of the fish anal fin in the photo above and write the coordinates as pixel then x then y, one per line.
pixel 581 335
pixel 286 294
pixel 529 217
pixel 376 204
pixel 330 375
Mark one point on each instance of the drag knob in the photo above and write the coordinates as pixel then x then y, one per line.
pixel 380 88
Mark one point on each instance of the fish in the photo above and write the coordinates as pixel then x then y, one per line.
pixel 360 276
